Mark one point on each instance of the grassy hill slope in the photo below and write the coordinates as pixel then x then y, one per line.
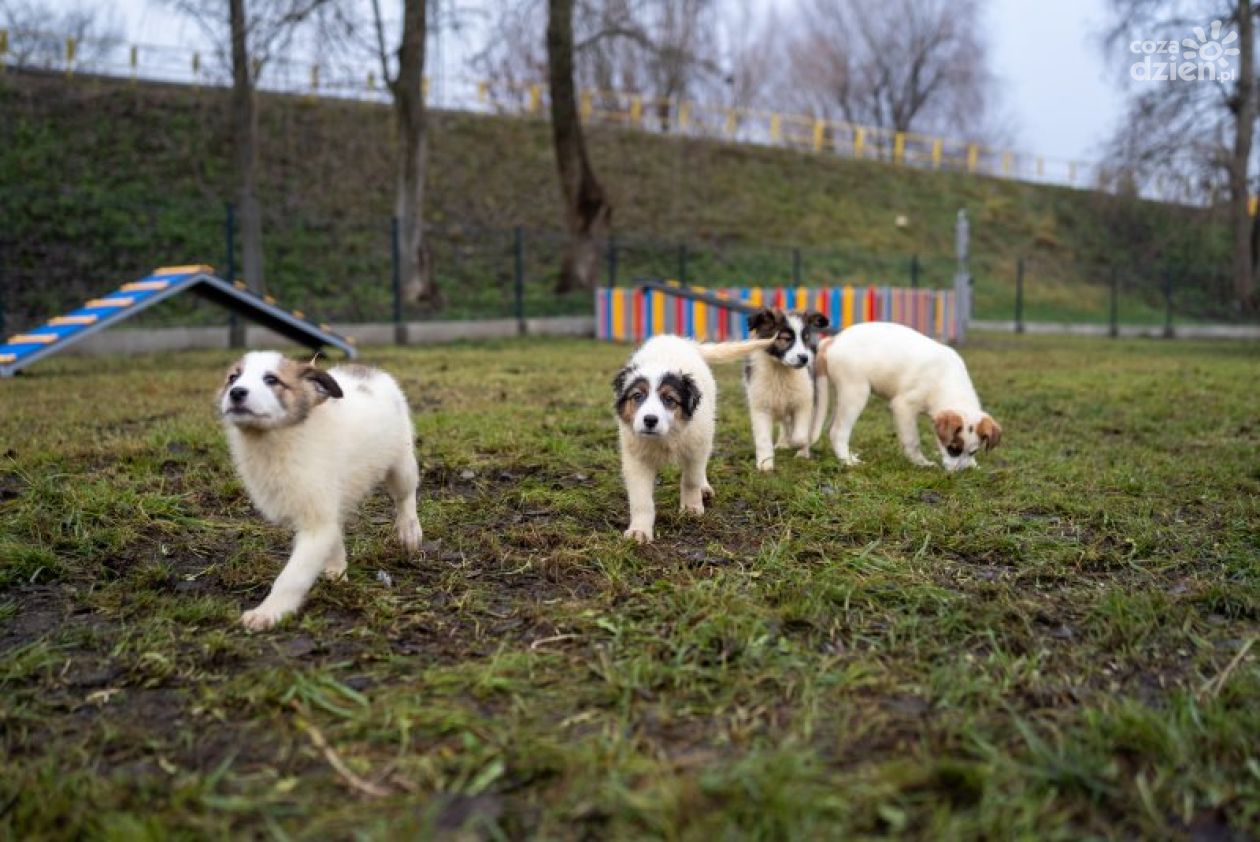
pixel 106 179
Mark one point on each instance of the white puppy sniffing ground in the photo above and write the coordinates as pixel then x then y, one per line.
pixel 309 445
pixel 666 405
pixel 917 375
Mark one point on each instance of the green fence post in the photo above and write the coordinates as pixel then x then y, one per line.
pixel 1019 296
pixel 796 267
pixel 914 271
pixel 1114 318
pixel 395 259
pixel 236 332
pixel 518 247
pixel 4 293
pixel 682 263
pixel 612 260
pixel 1168 304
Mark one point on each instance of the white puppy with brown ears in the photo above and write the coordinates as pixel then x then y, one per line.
pixel 666 404
pixel 917 375
pixel 309 445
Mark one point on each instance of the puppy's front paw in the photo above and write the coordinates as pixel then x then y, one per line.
pixel 638 536
pixel 765 465
pixel 851 460
pixel 410 534
pixel 706 493
pixel 692 508
pixel 803 453
pixel 923 462
pixel 261 619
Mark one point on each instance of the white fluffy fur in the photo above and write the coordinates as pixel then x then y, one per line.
pixel 781 391
pixel 311 474
pixel 915 374
pixel 687 444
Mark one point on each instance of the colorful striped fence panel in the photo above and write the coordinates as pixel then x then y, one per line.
pixel 632 315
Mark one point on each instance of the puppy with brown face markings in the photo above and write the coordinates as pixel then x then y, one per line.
pixel 779 383
pixel 917 375
pixel 309 445
pixel 666 405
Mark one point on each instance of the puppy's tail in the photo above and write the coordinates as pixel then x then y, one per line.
pixel 822 391
pixel 725 352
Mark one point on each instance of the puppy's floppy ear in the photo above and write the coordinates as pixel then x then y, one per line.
pixel 949 425
pixel 817 320
pixel 990 432
pixel 689 394
pixel 620 380
pixel 322 381
pixel 762 322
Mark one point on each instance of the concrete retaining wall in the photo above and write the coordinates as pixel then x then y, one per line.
pixel 155 340
pixel 1153 331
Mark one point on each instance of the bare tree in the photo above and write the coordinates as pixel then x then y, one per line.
pixel 1191 137
pixel 903 65
pixel 514 54
pixel 253 34
pixel 37 34
pixel 749 50
pixel 587 211
pixel 661 50
pixel 245 143
pixel 407 89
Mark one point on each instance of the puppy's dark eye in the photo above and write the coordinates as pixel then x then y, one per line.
pixel 638 397
pixel 232 378
pixel 270 380
pixel 668 402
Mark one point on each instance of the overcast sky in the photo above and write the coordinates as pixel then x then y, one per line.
pixel 1061 94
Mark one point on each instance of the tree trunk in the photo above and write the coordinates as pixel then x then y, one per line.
pixel 409 112
pixel 1244 108
pixel 587 213
pixel 245 136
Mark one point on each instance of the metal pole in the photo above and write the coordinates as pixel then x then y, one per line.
pixel 796 267
pixel 962 276
pixel 518 234
pixel 236 337
pixel 1168 305
pixel 395 255
pixel 612 260
pixel 914 271
pixel 1019 296
pixel 1114 318
pixel 4 285
pixel 682 263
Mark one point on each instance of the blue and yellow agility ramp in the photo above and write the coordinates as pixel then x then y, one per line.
pixel 63 331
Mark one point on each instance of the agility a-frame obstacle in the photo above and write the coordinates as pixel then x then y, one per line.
pixel 61 332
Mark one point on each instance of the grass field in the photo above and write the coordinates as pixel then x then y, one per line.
pixel 1056 645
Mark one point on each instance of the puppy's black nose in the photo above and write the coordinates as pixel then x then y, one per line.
pixel 801 359
pixel 954 451
pixel 238 393
pixel 649 421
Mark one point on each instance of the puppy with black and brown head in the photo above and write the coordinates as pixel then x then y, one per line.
pixel 309 445
pixel 666 405
pixel 779 381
